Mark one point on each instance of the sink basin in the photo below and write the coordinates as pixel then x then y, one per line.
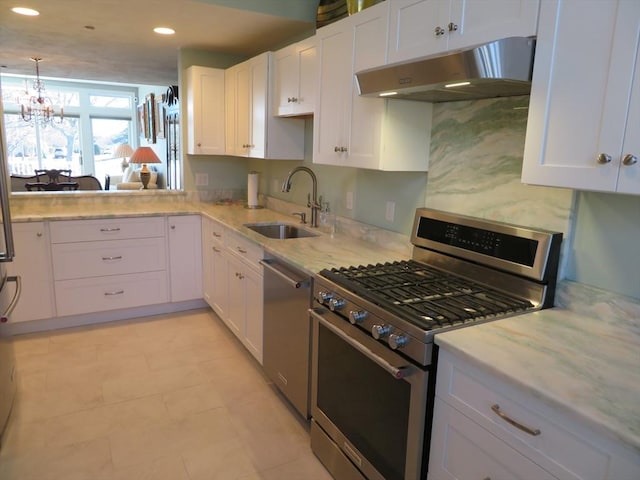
pixel 280 230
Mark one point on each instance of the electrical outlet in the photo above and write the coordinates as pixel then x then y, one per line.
pixel 202 179
pixel 390 211
pixel 349 204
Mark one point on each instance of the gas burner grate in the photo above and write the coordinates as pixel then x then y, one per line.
pixel 426 296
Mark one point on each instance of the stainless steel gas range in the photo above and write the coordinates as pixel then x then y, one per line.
pixel 373 365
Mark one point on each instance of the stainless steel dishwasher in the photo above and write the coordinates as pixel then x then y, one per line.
pixel 287 331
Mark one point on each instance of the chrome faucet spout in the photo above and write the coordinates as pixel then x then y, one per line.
pixel 313 200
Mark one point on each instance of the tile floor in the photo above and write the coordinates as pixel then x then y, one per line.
pixel 172 397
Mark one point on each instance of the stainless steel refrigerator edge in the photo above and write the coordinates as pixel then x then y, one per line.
pixel 8 299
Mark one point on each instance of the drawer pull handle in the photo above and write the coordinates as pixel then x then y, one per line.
pixel 116 229
pixel 531 431
pixel 217 250
pixel 217 235
pixel 111 294
pixel 241 250
pixel 119 257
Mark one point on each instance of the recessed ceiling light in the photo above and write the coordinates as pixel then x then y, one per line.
pixel 25 11
pixel 387 94
pixel 164 30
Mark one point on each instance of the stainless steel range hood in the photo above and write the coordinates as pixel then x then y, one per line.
pixel 497 69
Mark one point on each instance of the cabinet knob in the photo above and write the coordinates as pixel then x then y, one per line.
pixel 199 144
pixel 336 149
pixel 604 158
pixel 292 100
pixel 629 159
pixel 173 227
pixel 439 31
pixel 343 149
pixel 452 27
pixel 39 234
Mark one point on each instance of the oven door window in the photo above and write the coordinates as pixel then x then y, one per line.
pixel 368 405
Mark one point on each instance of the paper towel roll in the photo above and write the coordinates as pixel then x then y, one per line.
pixel 252 190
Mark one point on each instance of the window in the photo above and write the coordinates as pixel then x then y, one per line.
pixel 96 119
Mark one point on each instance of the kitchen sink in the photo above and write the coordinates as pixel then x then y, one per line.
pixel 280 230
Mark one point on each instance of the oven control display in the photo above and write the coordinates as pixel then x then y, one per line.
pixel 495 244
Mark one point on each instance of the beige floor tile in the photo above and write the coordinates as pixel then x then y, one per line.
pixel 306 467
pixel 222 460
pixel 169 468
pixel 88 460
pixel 139 385
pixel 188 401
pixel 101 421
pixel 269 434
pixel 169 397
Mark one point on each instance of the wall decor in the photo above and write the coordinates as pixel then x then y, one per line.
pixel 150 127
pixel 159 117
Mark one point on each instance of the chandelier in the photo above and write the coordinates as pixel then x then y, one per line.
pixel 37 107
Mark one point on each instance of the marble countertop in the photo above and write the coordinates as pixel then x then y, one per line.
pixel 310 254
pixel 582 358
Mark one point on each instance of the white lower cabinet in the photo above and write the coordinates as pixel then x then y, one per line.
pixel 244 277
pixel 463 450
pixel 108 264
pixel 214 272
pixel 487 427
pixel 185 257
pixel 33 264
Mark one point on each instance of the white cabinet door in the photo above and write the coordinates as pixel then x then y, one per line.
pixel 205 111
pixel 364 132
pixel 412 30
pixel 235 318
pixel 33 264
pixel 474 22
pixel 629 176
pixel 295 79
pixel 421 28
pixel 207 261
pixel 330 137
pixel 581 96
pixel 220 281
pixel 185 257
pixel 252 129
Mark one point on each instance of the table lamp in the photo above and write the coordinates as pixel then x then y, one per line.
pixel 144 155
pixel 123 150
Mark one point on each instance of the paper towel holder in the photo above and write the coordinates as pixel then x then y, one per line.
pixel 252 191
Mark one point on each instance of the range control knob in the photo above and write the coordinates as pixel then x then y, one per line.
pixel 336 304
pixel 324 297
pixel 380 331
pixel 357 316
pixel 397 341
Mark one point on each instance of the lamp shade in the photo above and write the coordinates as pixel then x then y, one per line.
pixel 123 150
pixel 144 155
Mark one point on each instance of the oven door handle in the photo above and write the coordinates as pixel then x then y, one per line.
pixel 396 372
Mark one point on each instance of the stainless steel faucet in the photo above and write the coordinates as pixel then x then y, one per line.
pixel 312 203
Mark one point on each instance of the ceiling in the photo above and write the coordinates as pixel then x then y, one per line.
pixel 121 46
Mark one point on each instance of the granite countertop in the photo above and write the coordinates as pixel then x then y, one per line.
pixel 582 358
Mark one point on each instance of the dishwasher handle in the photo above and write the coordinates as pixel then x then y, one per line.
pixel 273 267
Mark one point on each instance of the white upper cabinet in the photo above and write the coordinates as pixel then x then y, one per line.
pixel 295 78
pixel 251 128
pixel 583 130
pixel 420 28
pixel 205 111
pixel 362 132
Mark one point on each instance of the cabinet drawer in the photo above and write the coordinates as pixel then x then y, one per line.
pixel 462 450
pixel 558 447
pixel 106 229
pixel 244 248
pixel 109 257
pixel 74 297
pixel 217 233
